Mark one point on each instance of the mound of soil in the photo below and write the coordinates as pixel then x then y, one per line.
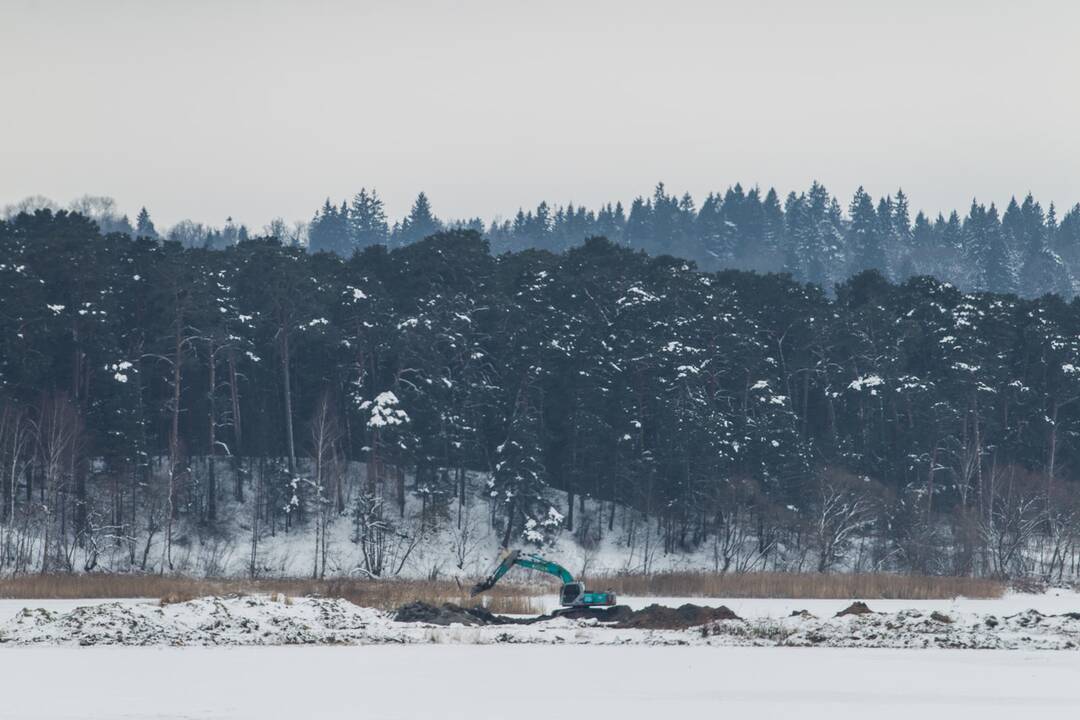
pixel 659 617
pixel 804 614
pixel 941 617
pixel 448 614
pixel 654 617
pixel 856 608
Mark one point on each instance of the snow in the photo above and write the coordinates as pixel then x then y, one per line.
pixel 265 620
pixel 866 382
pixel 385 410
pixel 482 683
pixel 9 607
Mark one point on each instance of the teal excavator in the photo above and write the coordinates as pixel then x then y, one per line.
pixel 572 594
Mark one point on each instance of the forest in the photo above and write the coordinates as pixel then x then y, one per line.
pixel 147 386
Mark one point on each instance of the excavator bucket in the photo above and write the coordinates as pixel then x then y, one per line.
pixel 506 561
pixel 481 586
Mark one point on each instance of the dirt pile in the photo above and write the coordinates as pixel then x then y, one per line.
pixel 856 608
pixel 654 617
pixel 660 617
pixel 449 614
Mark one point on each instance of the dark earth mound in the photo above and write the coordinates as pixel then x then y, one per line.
pixel 654 617
pixel 855 608
pixel 660 617
pixel 448 614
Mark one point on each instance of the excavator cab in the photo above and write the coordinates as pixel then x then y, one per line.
pixel 571 593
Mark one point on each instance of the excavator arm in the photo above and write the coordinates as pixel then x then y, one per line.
pixel 533 562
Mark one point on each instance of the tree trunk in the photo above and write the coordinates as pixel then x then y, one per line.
pixel 174 444
pixel 237 451
pixel 287 384
pixel 211 475
pixel 509 525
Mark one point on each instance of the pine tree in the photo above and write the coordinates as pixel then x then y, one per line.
pixel 772 238
pixel 144 226
pixel 864 242
pixel 367 220
pixel 1043 270
pixel 329 230
pixel 419 224
pixel 887 233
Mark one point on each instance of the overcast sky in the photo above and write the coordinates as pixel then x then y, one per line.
pixel 205 109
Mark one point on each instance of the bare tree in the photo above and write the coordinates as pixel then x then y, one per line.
pixel 29 205
pixel 325 439
pixel 56 430
pixel 1062 530
pixel 15 450
pixel 845 506
pixel 1016 510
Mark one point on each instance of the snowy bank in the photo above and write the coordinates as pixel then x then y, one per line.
pixel 257 620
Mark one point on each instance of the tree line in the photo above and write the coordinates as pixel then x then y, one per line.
pixel 1024 249
pixel 145 385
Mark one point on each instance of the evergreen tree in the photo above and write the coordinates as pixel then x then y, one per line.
pixel 144 226
pixel 419 224
pixel 329 230
pixel 864 242
pixel 367 220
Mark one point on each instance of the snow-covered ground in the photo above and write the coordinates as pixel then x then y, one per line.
pixel 261 620
pixel 526 683
pixel 9 607
pixel 1053 602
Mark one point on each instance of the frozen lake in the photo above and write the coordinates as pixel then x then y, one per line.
pixel 525 682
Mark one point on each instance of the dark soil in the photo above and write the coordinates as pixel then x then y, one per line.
pixel 654 617
pixel 659 617
pixel 448 614
pixel 855 608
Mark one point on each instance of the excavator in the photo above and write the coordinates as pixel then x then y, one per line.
pixel 572 596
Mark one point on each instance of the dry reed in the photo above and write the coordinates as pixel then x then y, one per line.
pixel 506 597
pixel 385 594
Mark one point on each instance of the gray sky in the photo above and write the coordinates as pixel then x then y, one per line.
pixel 256 109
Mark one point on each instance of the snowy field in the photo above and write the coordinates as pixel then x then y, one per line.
pixel 526 682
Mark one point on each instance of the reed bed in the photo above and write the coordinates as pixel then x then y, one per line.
pixel 385 594
pixel 507 597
